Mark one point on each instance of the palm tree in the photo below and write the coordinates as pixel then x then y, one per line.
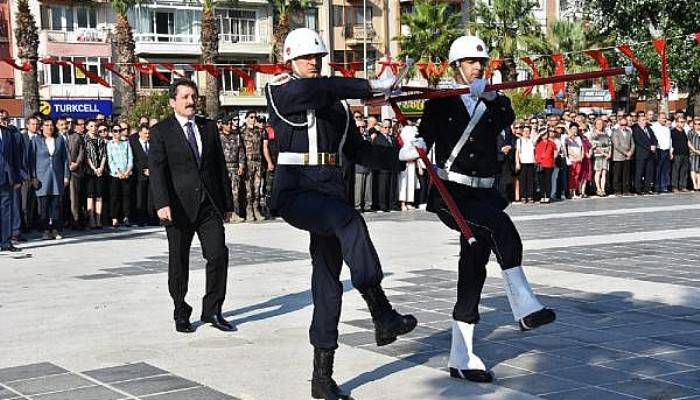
pixel 126 48
pixel 27 37
pixel 432 27
pixel 283 9
pixel 568 36
pixel 510 30
pixel 210 53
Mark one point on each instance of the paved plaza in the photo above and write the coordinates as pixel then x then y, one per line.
pixel 89 317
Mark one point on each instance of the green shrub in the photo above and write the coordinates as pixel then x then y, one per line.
pixel 152 105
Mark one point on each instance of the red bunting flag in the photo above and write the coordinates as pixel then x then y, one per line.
pixel 350 70
pixel 110 66
pixel 53 61
pixel 603 63
pixel 642 70
pixel 171 67
pixel 91 75
pixel 493 65
pixel 269 69
pixel 697 37
pixel 660 46
pixel 535 73
pixel 210 68
pixel 559 89
pixel 248 80
pixel 26 67
pixel 388 63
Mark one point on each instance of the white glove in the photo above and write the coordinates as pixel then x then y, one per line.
pixel 477 87
pixel 419 143
pixel 382 85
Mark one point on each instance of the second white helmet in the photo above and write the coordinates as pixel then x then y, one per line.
pixel 467 47
pixel 303 42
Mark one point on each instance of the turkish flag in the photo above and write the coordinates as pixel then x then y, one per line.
pixel 603 63
pixel 559 89
pixel 660 46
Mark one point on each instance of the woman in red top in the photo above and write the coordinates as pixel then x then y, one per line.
pixel 545 153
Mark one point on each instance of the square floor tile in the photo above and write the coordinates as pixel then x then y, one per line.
pixel 52 383
pixel 642 346
pixel 7 394
pixel 589 393
pixel 541 362
pixel 124 372
pixel 156 384
pixel 689 357
pixel 88 393
pixel 651 389
pixel 683 339
pixel 29 371
pixel 200 393
pixel 592 375
pixel 690 378
pixel 538 384
pixel 646 366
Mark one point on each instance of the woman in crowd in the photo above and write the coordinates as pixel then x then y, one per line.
pixel 120 161
pixel 586 165
pixel 525 163
pixel 694 146
pixel 601 146
pixel 574 150
pixel 407 177
pixel 545 153
pixel 50 175
pixel 96 156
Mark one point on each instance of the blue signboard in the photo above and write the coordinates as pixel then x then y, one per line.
pixel 79 108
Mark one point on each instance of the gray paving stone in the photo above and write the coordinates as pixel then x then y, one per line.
pixel 157 384
pixel 541 362
pixel 592 375
pixel 538 384
pixel 7 394
pixel 594 336
pixel 502 371
pixel 88 393
pixel 29 371
pixel 124 372
pixel 357 338
pixel 642 346
pixel 434 359
pixel 200 393
pixel 545 343
pixel 689 357
pixel 651 389
pixel 588 393
pixel 592 354
pixel 403 347
pixel 690 378
pixel 646 366
pixel 52 383
pixel 690 340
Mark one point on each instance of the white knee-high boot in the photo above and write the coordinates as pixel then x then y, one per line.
pixel 462 352
pixel 523 301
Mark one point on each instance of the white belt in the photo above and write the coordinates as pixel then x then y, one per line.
pixel 330 159
pixel 471 181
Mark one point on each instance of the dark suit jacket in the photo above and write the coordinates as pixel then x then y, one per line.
pixel 76 152
pixel 643 140
pixel 140 157
pixel 10 157
pixel 175 178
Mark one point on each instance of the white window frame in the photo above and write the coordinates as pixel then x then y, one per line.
pixel 224 16
pixel 91 63
pixel 73 10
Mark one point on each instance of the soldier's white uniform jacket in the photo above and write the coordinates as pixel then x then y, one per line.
pixel 309 116
pixel 444 122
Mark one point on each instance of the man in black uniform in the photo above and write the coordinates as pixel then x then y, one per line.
pixel 465 132
pixel 312 124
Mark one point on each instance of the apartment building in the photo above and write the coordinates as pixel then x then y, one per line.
pixel 8 101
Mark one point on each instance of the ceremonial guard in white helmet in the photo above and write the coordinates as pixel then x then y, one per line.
pixel 464 130
pixel 313 124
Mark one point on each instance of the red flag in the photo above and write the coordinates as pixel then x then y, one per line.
pixel 171 67
pixel 348 71
pixel 26 67
pixel 53 61
pixel 210 68
pixel 559 89
pixel 603 63
pixel 248 80
pixel 269 69
pixel 110 66
pixel 91 75
pixel 535 73
pixel 660 46
pixel 394 66
pixel 641 68
pixel 493 65
pixel 697 37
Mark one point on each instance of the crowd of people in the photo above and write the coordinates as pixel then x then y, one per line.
pixel 79 173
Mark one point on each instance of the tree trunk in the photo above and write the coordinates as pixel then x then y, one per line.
pixel 572 96
pixel 281 32
pixel 125 58
pixel 27 37
pixel 210 52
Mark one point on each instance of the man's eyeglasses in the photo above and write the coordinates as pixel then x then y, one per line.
pixel 116 130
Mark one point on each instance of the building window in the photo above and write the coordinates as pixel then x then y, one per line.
pixel 311 16
pixel 238 26
pixel 86 17
pixel 338 16
pixel 230 82
pixel 70 75
pixel 164 26
pixel 69 19
pixel 359 14
pixel 170 26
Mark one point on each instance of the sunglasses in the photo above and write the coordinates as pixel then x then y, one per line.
pixel 116 130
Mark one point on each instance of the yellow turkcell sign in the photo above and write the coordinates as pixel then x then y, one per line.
pixel 45 107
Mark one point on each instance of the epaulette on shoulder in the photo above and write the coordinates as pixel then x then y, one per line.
pixel 280 79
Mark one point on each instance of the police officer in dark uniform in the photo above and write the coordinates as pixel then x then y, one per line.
pixel 465 132
pixel 312 125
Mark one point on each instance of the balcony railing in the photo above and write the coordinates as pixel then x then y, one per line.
pixel 237 38
pixel 81 35
pixel 357 32
pixel 165 38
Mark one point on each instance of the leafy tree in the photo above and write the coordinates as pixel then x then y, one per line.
pixel 510 30
pixel 432 26
pixel 152 105
pixel 525 106
pixel 283 10
pixel 125 47
pixel 27 37
pixel 635 21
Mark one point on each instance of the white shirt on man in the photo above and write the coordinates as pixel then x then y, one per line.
pixel 663 135
pixel 183 124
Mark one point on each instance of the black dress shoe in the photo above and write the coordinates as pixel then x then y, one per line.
pixel 538 318
pixel 10 248
pixel 219 323
pixel 184 326
pixel 474 375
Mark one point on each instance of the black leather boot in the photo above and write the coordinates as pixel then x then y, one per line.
pixel 322 384
pixel 388 324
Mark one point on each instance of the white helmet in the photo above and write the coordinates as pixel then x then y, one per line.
pixel 303 42
pixel 467 47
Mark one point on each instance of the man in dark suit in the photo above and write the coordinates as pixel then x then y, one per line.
pixel 191 192
pixel 140 147
pixel 9 182
pixel 76 161
pixel 385 178
pixel 644 155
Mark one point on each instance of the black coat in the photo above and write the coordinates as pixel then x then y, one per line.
pixel 442 124
pixel 140 157
pixel 643 140
pixel 291 99
pixel 175 178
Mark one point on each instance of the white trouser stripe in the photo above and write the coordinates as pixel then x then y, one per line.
pixel 313 137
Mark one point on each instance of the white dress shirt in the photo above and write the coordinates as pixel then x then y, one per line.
pixel 663 135
pixel 183 122
pixel 468 100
